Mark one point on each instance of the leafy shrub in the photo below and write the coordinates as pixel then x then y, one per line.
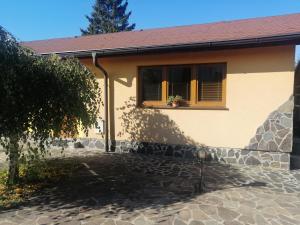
pixel 34 176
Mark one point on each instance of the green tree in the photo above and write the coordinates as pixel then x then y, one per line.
pixel 108 16
pixel 41 98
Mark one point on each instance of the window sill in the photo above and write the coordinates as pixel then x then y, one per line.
pixel 185 107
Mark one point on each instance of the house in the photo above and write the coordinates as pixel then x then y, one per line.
pixel 235 79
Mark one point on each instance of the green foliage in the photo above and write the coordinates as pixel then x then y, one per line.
pixel 175 99
pixel 108 16
pixel 35 175
pixel 42 97
pixel 50 170
pixel 3 177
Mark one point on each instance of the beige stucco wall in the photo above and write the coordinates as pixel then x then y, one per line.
pixel 259 80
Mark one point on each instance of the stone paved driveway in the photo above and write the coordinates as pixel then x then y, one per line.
pixel 114 189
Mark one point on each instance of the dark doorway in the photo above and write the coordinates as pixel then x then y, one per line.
pixel 295 157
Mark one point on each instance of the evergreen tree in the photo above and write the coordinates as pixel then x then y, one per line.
pixel 108 16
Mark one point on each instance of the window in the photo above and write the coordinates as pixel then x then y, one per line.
pixel 210 84
pixel 201 85
pixel 179 80
pixel 151 84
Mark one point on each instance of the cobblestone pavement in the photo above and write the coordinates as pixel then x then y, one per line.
pixel 115 189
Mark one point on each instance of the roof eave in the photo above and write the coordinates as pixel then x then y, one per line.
pixel 216 45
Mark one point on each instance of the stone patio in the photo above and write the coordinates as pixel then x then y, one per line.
pixel 124 189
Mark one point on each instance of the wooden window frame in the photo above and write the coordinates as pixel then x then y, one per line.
pixel 140 88
pixel 193 103
pixel 221 103
pixel 186 103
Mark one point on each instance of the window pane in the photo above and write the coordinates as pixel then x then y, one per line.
pixel 151 84
pixel 179 82
pixel 210 82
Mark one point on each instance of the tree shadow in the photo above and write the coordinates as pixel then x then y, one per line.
pixel 112 82
pixel 150 125
pixel 126 184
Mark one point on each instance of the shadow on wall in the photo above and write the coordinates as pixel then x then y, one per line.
pixel 112 82
pixel 150 125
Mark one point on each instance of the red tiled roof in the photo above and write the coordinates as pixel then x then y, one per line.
pixel 202 33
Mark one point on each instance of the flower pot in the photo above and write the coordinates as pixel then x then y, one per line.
pixel 175 104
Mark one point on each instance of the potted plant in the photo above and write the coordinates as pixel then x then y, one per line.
pixel 174 101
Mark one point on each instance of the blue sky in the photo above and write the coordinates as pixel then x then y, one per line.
pixel 42 19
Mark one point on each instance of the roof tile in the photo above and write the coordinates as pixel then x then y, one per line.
pixel 202 33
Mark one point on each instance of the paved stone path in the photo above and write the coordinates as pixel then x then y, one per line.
pixel 115 189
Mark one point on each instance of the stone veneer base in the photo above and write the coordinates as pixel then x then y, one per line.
pixel 272 159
